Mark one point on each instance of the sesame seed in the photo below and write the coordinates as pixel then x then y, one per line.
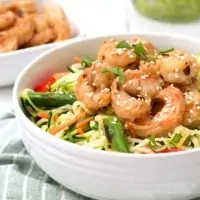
pixel 139 88
pixel 130 81
pixel 182 57
pixel 173 108
pixel 132 98
pixel 152 62
pixel 157 73
pixel 89 94
pixel 93 84
pixel 98 64
pixel 198 107
pixel 94 72
pixel 145 94
pixel 158 88
pixel 118 96
pixel 118 103
pixel 120 51
pixel 176 75
pixel 131 56
pixel 101 101
pixel 106 90
pixel 176 70
pixel 191 111
pixel 145 76
pixel 86 83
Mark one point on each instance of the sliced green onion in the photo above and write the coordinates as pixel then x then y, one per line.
pixel 86 62
pixel 116 71
pixel 175 139
pixel 140 50
pixel 124 45
pixel 116 134
pixel 166 51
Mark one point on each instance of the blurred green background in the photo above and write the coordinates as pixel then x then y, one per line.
pixel 175 11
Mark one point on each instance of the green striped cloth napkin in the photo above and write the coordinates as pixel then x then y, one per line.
pixel 20 177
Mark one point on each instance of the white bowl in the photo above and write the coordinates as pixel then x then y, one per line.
pixel 12 63
pixel 99 174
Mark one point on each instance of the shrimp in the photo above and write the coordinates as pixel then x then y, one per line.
pixel 42 37
pixel 142 85
pixel 7 20
pixel 41 22
pixel 192 112
pixel 132 99
pixel 26 6
pixel 8 44
pixel 98 78
pixel 23 30
pixel 178 67
pixel 90 95
pixel 151 67
pixel 54 14
pixel 3 8
pixel 164 121
pixel 62 30
pixel 116 57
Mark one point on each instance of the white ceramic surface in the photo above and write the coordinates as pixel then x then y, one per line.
pixel 99 174
pixel 12 63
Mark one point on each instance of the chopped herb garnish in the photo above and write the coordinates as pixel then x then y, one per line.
pixel 125 45
pixel 116 71
pixel 175 139
pixel 142 53
pixel 140 50
pixel 166 51
pixel 94 125
pixel 86 62
pixel 154 146
pixel 152 142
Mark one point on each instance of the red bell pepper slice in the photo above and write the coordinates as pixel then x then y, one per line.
pixel 44 87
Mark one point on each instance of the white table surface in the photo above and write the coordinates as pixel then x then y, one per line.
pixel 6 95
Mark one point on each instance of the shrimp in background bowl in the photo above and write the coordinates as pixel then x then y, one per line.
pixel 131 98
pixel 32 24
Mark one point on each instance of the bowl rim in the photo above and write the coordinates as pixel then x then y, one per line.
pixel 50 139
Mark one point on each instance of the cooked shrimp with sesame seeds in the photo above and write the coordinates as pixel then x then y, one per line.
pixel 128 106
pixel 178 67
pixel 91 92
pixel 132 97
pixel 113 56
pixel 192 112
pixel 169 109
pixel 142 85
